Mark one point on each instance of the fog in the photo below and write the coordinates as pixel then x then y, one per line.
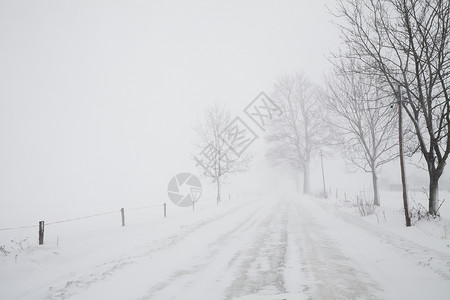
pixel 98 100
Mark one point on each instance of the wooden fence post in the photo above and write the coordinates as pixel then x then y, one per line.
pixel 122 211
pixel 41 232
pixel 165 214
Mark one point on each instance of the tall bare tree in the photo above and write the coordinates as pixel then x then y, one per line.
pixel 361 124
pixel 298 134
pixel 217 157
pixel 406 43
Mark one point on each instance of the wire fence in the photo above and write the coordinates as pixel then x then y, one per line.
pixel 21 227
pixel 43 224
pixel 87 217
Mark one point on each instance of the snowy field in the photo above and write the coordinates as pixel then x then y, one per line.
pixel 266 247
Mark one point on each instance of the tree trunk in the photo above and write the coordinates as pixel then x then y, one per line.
pixel 297 180
pixel 323 178
pixel 433 203
pixel 306 179
pixel 376 195
pixel 434 176
pixel 218 191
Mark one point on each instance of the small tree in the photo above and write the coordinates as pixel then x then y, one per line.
pixel 362 125
pixel 218 158
pixel 298 134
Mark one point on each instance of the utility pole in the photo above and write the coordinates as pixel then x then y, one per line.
pixel 323 177
pixel 402 160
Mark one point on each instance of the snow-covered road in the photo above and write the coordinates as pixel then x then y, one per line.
pixel 273 248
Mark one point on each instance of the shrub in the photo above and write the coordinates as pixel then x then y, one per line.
pixel 365 206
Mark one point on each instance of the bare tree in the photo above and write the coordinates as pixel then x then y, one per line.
pixel 406 43
pixel 360 123
pixel 217 158
pixel 295 136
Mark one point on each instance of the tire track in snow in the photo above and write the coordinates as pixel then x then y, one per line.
pixel 260 267
pixel 331 274
pixel 213 253
pixel 247 258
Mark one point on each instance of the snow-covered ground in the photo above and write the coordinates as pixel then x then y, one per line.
pixel 267 247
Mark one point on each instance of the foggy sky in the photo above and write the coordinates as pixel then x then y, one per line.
pixel 98 99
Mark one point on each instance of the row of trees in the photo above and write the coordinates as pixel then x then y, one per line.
pixel 348 115
pixel 405 43
pixel 388 45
